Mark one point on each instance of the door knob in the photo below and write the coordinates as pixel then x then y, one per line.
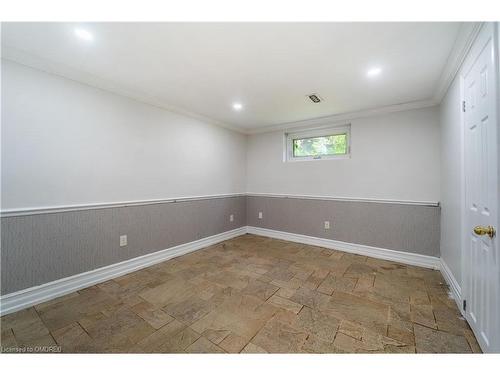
pixel 481 231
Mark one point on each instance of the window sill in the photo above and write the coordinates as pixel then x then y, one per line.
pixel 336 157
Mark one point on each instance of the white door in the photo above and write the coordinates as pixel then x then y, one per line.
pixel 481 290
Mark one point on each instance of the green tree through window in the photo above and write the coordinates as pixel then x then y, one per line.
pixel 318 146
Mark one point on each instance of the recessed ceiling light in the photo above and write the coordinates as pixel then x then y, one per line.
pixel 237 106
pixel 83 34
pixel 373 72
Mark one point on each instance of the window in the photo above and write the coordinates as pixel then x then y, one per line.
pixel 320 144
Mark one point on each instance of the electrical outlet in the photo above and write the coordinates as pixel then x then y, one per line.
pixel 260 215
pixel 327 225
pixel 231 217
pixel 123 240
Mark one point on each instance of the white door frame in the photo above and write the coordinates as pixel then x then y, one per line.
pixel 488 30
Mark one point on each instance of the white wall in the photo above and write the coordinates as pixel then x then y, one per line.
pixel 66 143
pixel 394 156
pixel 451 178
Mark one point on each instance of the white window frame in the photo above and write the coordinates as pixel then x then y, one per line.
pixel 326 131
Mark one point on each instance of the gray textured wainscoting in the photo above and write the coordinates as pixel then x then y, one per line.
pixel 404 227
pixel 39 248
pixel 43 247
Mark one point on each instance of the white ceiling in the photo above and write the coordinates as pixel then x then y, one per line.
pixel 202 68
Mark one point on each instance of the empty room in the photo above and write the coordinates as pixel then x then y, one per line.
pixel 263 187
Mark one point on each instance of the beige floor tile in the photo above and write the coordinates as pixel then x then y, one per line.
pixel 314 344
pixel 241 314
pixel 351 329
pixel 471 339
pixel 156 318
pixel 423 315
pixel 285 292
pixel 171 292
pixel 39 341
pixel 61 314
pixel 280 273
pixel 380 341
pixel 371 340
pixel 236 280
pixel 251 348
pixel 339 283
pixel 233 343
pixel 310 298
pixel 373 315
pixel 293 283
pixel 20 319
pixel 442 299
pixel 327 285
pixel 399 311
pixel 29 330
pixel 364 284
pixel 216 335
pixel 104 326
pixel 285 303
pixel 278 337
pixel 189 310
pixel 123 342
pixel 142 306
pixel 316 278
pixel 118 332
pixel 419 297
pixel 301 272
pixel 317 323
pixel 72 338
pixel 450 320
pixel 408 349
pixel 255 295
pixel 401 332
pixel 354 258
pixel 394 289
pixel 8 339
pixel 180 341
pixel 349 344
pixel 260 289
pixel 66 298
pixel 153 342
pixel 357 270
pixel 203 345
pixel 429 340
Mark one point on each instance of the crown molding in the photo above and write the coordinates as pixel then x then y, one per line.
pixel 61 70
pixel 346 116
pixel 466 35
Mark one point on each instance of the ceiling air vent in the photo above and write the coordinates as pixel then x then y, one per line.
pixel 314 98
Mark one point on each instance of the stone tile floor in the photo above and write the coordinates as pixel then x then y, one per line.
pixel 253 295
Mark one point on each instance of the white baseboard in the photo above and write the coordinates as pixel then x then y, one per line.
pixel 456 291
pixel 375 252
pixel 41 293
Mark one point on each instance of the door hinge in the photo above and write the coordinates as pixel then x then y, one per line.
pixel 463 106
pixel 464 305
